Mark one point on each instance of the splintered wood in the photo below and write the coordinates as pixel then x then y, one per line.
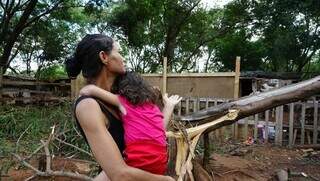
pixel 187 141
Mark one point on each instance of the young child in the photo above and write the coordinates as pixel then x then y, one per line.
pixel 143 122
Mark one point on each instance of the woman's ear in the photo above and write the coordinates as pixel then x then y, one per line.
pixel 103 57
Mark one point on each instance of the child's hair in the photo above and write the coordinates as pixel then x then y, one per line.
pixel 136 90
pixel 159 98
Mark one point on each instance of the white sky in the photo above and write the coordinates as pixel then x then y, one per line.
pixel 213 3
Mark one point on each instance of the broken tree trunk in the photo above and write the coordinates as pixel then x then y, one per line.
pixel 228 113
pixel 256 103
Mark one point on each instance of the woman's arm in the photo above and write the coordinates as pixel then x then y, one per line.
pixel 103 147
pixel 169 104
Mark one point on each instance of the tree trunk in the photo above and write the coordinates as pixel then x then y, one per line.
pixel 9 42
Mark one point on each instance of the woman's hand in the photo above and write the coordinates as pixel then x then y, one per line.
pixel 172 100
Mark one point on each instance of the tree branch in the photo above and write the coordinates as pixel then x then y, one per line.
pixel 49 10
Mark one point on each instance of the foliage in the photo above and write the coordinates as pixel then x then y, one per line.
pixel 36 121
pixel 269 35
pixel 283 35
pixel 53 72
pixel 175 29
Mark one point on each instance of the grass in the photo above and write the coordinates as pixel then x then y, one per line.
pixel 31 123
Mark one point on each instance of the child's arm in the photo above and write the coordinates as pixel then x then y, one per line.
pixel 92 90
pixel 169 104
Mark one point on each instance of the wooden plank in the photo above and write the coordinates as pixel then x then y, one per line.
pixel 294 136
pixel 279 118
pixel 179 108
pixel 291 111
pixel 266 118
pixel 236 79
pixel 245 130
pixel 281 125
pixel 234 126
pixel 255 134
pixel 206 149
pixel 207 103
pixel 308 137
pixel 187 105
pixel 303 117
pixel 315 121
pixel 31 83
pixel 216 74
pixel 195 105
pixel 164 76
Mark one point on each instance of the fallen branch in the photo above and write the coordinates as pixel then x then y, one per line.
pixel 73 146
pixel 254 104
pixel 185 154
pixel 17 143
pixel 228 113
pixel 48 171
pixel 38 173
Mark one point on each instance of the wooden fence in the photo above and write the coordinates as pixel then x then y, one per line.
pixel 22 90
pixel 291 124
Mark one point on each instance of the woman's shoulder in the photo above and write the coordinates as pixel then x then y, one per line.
pixel 88 113
pixel 86 104
pixel 91 104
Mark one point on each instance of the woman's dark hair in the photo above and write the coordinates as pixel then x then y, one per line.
pixel 86 57
pixel 134 88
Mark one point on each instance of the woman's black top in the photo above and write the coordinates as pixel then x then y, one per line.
pixel 115 125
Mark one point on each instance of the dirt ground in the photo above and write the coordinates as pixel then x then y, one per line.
pixel 262 162
pixel 238 162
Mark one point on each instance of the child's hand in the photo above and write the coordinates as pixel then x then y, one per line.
pixel 89 90
pixel 122 110
pixel 172 100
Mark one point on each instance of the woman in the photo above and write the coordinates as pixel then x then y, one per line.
pixel 97 56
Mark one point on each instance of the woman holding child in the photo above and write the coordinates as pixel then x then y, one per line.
pixel 118 113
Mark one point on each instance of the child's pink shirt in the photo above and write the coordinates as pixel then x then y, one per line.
pixel 142 122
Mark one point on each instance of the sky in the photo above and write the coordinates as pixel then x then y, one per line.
pixel 213 3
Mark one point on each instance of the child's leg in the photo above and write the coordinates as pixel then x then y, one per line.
pixel 101 177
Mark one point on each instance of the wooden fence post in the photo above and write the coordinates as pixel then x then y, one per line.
pixel 164 76
pixel 266 131
pixel 315 121
pixel 235 126
pixel 291 112
pixel 255 129
pixel 279 124
pixel 303 117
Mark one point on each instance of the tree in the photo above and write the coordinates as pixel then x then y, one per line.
pixel 178 30
pixel 13 22
pixel 282 35
pixel 41 30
